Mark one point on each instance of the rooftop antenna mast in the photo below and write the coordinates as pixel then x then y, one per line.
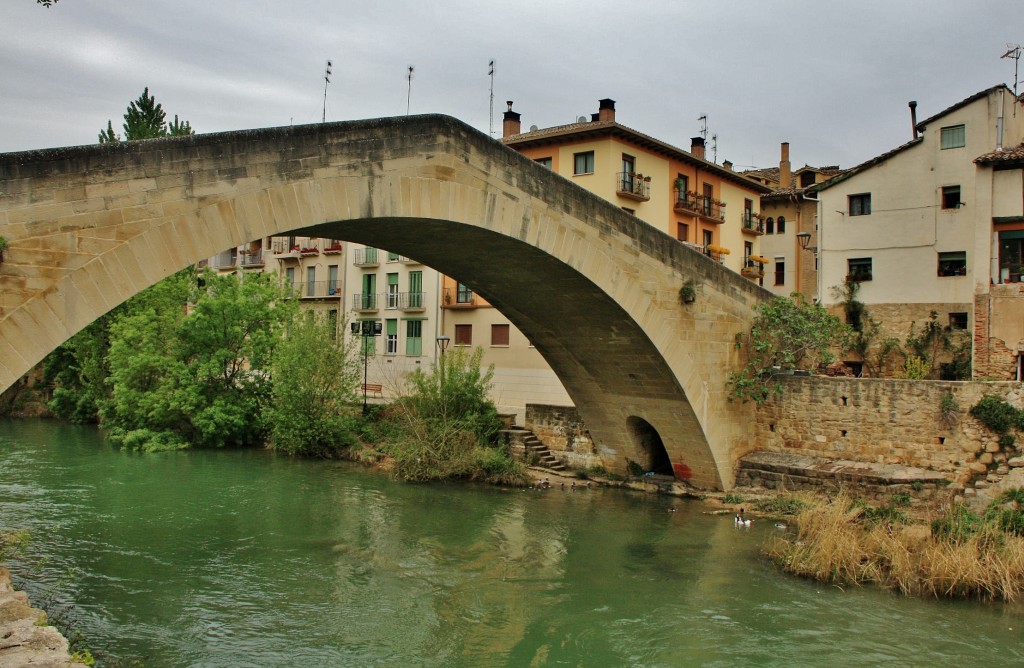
pixel 714 148
pixel 703 118
pixel 408 97
pixel 491 119
pixel 327 80
pixel 1013 51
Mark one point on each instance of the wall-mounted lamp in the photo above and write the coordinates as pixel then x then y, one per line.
pixel 805 238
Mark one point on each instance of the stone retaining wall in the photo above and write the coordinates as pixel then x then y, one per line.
pixel 885 421
pixel 561 429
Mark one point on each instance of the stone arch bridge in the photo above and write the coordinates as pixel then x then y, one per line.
pixel 594 288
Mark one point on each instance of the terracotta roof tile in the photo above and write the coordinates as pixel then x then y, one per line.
pixel 1005 155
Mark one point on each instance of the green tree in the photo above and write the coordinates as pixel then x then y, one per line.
pixel 145 119
pixel 316 373
pixel 787 333
pixel 198 378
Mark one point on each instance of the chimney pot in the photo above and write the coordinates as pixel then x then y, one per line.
pixel 913 118
pixel 697 147
pixel 511 124
pixel 606 110
pixel 785 169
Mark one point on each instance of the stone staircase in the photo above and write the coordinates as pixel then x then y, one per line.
pixel 540 452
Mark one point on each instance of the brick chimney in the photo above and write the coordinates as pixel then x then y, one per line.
pixel 697 147
pixel 510 124
pixel 785 169
pixel 606 110
pixel 727 165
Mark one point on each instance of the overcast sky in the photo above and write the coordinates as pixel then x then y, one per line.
pixel 831 78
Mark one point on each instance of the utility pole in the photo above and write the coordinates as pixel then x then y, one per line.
pixel 327 80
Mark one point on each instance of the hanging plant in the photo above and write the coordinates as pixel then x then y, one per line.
pixel 712 248
pixel 759 259
pixel 688 293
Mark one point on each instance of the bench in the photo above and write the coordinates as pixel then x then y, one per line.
pixel 375 389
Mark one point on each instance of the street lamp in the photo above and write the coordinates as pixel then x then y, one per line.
pixel 442 344
pixel 366 328
pixel 805 239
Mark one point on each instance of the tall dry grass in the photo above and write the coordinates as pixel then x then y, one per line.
pixel 836 541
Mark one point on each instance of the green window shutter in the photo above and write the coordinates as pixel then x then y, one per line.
pixel 413 338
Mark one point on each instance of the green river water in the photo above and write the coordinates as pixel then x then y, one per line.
pixel 247 559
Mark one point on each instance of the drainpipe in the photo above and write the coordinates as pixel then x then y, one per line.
pixel 999 120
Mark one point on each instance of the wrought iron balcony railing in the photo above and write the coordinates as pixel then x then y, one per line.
pixel 633 186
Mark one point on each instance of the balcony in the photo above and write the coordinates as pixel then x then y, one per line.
pixel 251 259
pixel 283 250
pixel 226 260
pixel 459 298
pixel 309 251
pixel 753 267
pixel 365 257
pixel 333 248
pixel 408 260
pixel 411 301
pixel 362 301
pixel 319 290
pixel 752 223
pixel 633 186
pixel 702 206
pixel 716 253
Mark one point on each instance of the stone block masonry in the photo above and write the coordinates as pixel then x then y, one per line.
pixel 561 429
pixel 885 421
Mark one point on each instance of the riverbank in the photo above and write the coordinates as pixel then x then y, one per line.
pixel 25 638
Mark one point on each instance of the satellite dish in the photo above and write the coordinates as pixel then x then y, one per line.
pixel 533 128
pixel 581 119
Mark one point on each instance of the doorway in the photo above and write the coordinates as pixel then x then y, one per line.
pixel 654 457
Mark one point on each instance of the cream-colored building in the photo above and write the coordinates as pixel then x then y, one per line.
pixel 936 225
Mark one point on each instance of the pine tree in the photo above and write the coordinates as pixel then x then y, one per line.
pixel 145 119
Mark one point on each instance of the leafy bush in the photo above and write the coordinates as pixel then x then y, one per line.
pixel 780 505
pixel 787 333
pixel 732 498
pixel 996 414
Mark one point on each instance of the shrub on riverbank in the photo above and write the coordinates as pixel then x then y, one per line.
pixel 960 555
pixel 447 427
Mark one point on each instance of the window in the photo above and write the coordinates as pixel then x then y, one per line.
pixel 631 212
pixel 311 281
pixel 289 276
pixel 392 257
pixel 544 162
pixel 392 291
pixel 1011 256
pixel 951 197
pixel 769 225
pixel 583 163
pixel 860 205
pixel 953 264
pixel 958 321
pixel 780 271
pixel 391 332
pixel 780 225
pixel 368 298
pixel 628 171
pixel 463 295
pixel 859 269
pixel 682 185
pixel 709 238
pixel 806 179
pixel 954 136
pixel 332 279
pixel 463 335
pixel 414 338
pixel 415 289
pixel 682 231
pixel 499 335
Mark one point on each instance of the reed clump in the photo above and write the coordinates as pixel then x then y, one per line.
pixel 958 554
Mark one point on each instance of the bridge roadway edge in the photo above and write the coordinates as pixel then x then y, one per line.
pixel 594 288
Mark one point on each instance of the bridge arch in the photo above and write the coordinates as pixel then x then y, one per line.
pixel 594 288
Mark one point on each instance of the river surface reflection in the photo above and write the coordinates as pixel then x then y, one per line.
pixel 247 559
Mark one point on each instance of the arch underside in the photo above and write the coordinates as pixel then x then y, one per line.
pixel 606 361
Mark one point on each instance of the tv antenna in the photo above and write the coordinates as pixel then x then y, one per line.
pixel 703 118
pixel 327 80
pixel 491 119
pixel 408 97
pixel 714 148
pixel 1013 51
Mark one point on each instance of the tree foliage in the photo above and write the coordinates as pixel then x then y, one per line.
pixel 199 378
pixel 145 119
pixel 788 333
pixel 316 373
